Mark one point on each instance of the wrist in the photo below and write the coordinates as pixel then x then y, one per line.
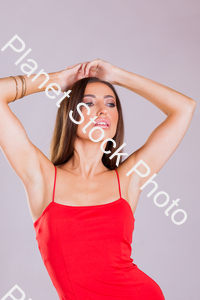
pixel 53 78
pixel 61 80
pixel 118 75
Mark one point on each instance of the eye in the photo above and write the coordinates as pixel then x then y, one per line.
pixel 89 103
pixel 112 104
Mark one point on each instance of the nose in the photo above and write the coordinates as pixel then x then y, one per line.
pixel 102 111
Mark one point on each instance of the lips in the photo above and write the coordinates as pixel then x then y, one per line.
pixel 107 125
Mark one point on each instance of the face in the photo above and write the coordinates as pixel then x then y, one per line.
pixel 102 103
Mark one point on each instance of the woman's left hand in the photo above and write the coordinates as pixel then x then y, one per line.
pixel 69 76
pixel 100 69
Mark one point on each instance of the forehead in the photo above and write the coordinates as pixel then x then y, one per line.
pixel 98 89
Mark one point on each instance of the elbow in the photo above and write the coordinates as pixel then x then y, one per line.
pixel 188 107
pixel 193 105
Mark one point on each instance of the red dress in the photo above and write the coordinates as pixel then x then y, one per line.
pixel 87 252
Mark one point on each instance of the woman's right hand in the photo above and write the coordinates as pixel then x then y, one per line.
pixel 69 76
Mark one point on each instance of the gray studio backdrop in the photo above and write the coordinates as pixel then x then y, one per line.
pixel 156 39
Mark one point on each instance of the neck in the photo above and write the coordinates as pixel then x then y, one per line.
pixel 87 159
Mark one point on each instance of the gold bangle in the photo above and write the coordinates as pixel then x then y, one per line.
pixel 23 86
pixel 16 87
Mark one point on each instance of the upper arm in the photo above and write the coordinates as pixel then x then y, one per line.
pixel 159 146
pixel 16 146
pixel 34 169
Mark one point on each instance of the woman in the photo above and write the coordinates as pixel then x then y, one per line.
pixel 81 204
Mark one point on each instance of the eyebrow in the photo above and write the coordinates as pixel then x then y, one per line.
pixel 90 95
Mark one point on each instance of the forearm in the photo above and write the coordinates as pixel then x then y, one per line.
pixel 8 86
pixel 165 98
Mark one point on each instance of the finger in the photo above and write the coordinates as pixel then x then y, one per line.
pixel 91 64
pixel 87 69
pixel 79 72
pixel 83 69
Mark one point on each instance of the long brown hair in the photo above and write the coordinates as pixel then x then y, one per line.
pixel 64 135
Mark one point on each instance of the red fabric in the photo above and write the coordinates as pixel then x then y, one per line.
pixel 87 252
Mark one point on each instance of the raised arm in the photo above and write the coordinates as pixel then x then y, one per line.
pixel 22 155
pixel 165 138
pixel 34 169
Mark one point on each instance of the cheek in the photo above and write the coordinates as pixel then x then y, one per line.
pixel 84 113
pixel 85 116
pixel 115 118
pixel 80 127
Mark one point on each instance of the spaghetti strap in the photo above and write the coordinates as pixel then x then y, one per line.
pixel 118 183
pixel 54 183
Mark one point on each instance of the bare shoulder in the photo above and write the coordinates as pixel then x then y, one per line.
pixel 130 185
pixel 39 189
